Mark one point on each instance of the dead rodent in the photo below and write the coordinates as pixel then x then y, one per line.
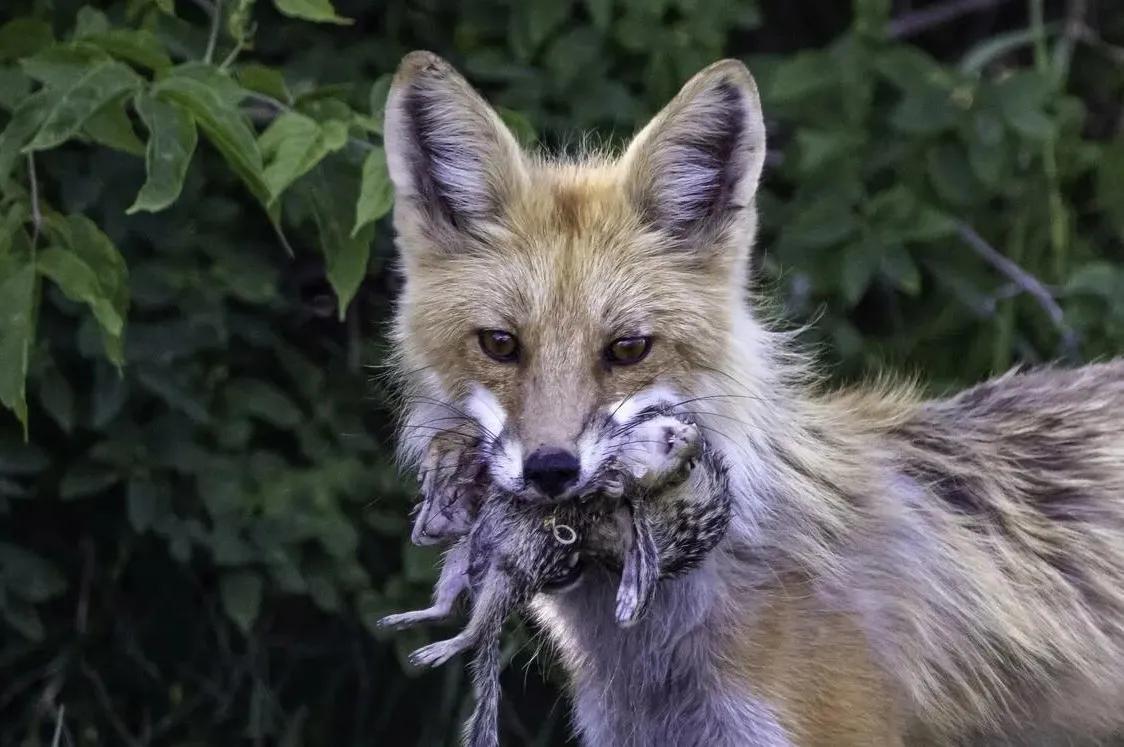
pixel 651 516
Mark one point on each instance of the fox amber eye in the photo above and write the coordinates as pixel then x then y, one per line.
pixel 499 345
pixel 625 351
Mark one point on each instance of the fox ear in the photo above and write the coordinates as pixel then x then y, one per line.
pixel 452 160
pixel 693 170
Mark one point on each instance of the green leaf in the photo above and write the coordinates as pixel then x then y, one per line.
pixel 88 265
pixel 79 282
pixel 18 293
pixel 171 144
pixel 601 12
pixel 376 192
pixel 57 398
pixel 925 112
pixel 219 82
pixel 264 401
pixel 519 125
pixel 899 267
pixel 137 46
pixel 110 126
pixel 320 11
pixel 24 618
pixel 25 121
pixel 70 107
pixel 860 262
pixel 84 480
pixel 1022 97
pixel 293 145
pixel 532 21
pixel 377 100
pixel 239 21
pixel 62 65
pixel 223 123
pixel 147 504
pixel 90 21
pixel 241 594
pixel 800 76
pixel 346 255
pixel 952 177
pixel 15 87
pixel 22 37
pixel 31 577
pixel 265 80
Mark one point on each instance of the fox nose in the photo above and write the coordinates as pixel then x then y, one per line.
pixel 551 470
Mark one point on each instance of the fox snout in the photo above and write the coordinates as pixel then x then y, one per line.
pixel 558 472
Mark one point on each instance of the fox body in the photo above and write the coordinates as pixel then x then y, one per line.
pixel 894 568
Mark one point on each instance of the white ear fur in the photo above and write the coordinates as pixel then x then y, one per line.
pixel 451 158
pixel 696 165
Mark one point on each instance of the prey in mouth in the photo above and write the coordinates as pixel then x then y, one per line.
pixel 517 548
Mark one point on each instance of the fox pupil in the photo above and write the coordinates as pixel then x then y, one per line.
pixel 499 345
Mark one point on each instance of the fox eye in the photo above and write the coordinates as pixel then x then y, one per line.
pixel 624 351
pixel 499 345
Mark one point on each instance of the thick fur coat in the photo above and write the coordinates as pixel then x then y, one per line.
pixel 896 570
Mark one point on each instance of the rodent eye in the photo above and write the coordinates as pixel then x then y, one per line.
pixel 499 345
pixel 624 351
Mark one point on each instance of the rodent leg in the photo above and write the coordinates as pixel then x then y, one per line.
pixel 490 608
pixel 453 581
pixel 641 569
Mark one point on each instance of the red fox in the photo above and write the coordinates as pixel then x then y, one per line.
pixel 894 570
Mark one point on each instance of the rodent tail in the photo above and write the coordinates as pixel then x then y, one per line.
pixel 482 729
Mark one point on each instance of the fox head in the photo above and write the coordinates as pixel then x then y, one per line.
pixel 541 294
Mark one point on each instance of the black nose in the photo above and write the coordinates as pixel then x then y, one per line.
pixel 551 470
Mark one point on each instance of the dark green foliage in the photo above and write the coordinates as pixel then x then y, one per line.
pixel 200 516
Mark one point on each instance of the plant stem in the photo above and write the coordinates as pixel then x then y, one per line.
pixel 1059 219
pixel 213 40
pixel 1001 354
pixel 36 210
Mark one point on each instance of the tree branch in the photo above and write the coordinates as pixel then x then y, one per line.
pixel 1025 281
pixel 924 19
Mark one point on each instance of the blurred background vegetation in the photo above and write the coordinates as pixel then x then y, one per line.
pixel 200 518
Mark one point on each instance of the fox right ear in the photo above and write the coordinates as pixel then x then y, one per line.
pixel 693 170
pixel 452 160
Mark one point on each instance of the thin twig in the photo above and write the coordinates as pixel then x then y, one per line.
pixel 213 40
pixel 1088 35
pixel 56 740
pixel 1024 280
pixel 230 58
pixel 924 19
pixel 36 211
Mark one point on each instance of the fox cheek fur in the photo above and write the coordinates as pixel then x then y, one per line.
pixel 894 568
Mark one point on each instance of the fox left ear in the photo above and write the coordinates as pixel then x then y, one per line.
pixel 693 170
pixel 452 160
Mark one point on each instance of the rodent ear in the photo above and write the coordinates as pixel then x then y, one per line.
pixel 693 170
pixel 452 160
